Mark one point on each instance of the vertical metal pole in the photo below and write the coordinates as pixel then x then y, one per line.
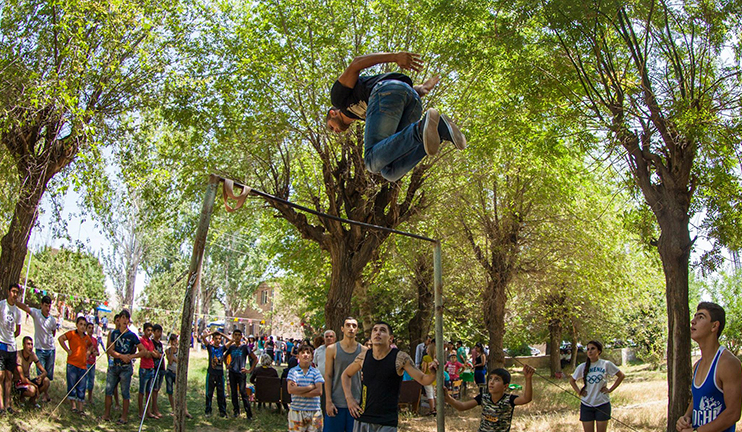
pixel 439 342
pixel 194 274
pixel 25 283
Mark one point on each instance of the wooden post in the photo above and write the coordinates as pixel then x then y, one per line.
pixel 439 342
pixel 186 323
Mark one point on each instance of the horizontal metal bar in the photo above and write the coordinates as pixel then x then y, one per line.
pixel 327 216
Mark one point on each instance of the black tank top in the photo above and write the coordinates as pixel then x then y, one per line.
pixel 380 389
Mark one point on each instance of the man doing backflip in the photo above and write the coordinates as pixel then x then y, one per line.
pixel 395 139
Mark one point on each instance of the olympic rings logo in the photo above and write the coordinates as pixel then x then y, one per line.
pixel 594 379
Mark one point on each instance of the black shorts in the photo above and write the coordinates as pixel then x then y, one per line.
pixel 598 413
pixel 8 361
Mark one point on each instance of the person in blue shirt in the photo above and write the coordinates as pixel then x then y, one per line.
pixel 717 377
pixel 305 386
pixel 215 371
pixel 238 352
pixel 124 347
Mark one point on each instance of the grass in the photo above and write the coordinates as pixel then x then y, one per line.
pixel 641 402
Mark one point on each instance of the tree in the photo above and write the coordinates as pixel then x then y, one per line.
pixel 296 158
pixel 76 275
pixel 650 76
pixel 68 71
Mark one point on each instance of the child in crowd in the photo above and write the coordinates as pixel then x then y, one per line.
pixel 425 367
pixel 239 352
pixel 305 385
pixel 146 367
pixel 172 367
pixel 453 367
pixel 215 372
pixel 497 405
pixel 90 362
pixel 79 348
pixel 159 360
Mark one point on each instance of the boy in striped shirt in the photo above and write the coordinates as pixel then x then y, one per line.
pixel 305 385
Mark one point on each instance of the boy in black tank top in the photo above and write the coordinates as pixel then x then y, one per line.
pixel 383 367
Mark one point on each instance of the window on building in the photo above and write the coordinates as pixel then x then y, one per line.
pixel 264 297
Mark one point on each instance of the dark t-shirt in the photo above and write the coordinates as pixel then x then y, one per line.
pixel 353 101
pixel 127 344
pixel 216 357
pixel 160 361
pixel 239 356
pixel 496 416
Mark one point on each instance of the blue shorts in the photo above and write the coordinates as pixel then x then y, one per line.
pixel 159 376
pixel 90 376
pixel 342 422
pixel 76 383
pixel 146 380
pixel 169 381
pixel 598 413
pixel 119 374
pixel 46 358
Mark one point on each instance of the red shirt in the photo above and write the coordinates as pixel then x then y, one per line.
pixel 91 357
pixel 147 363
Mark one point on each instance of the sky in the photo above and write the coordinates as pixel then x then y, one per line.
pixel 80 227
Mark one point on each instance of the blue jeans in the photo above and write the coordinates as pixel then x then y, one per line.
pixel 76 383
pixel 392 144
pixel 146 380
pixel 342 422
pixel 119 374
pixel 46 358
pixel 90 377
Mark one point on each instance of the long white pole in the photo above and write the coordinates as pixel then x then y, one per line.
pixel 25 283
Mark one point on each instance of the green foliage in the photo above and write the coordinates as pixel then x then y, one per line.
pixel 725 289
pixel 646 326
pixel 71 273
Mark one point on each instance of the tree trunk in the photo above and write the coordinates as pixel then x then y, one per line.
pixel 555 341
pixel 494 320
pixel 15 241
pixel 131 279
pixel 343 279
pixel 419 324
pixel 674 247
pixel 366 311
pixel 38 156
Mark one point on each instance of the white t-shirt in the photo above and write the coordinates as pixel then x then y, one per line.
pixel 319 359
pixel 44 328
pixel 10 317
pixel 596 380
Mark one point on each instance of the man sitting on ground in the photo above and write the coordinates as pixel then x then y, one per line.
pixel 38 385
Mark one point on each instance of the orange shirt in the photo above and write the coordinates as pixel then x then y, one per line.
pixel 78 349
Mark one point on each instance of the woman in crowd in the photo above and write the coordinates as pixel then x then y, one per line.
pixel 595 409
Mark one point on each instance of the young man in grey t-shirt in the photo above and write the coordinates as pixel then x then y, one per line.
pixel 45 330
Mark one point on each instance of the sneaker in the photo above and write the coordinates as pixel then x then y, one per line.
pixel 450 132
pixel 431 138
